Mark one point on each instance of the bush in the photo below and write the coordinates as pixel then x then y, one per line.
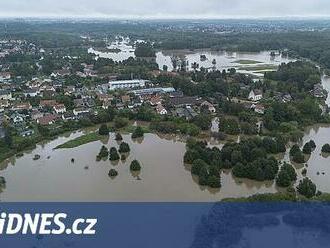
pixel 135 166
pixel 123 157
pixel 114 156
pixel 138 133
pixel 113 173
pixel 326 148
pixel 306 188
pixel 119 137
pixel 104 130
pixel 124 148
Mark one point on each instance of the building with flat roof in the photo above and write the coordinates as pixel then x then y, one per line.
pixel 124 84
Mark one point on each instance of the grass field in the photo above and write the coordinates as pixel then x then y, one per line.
pixel 247 62
pixel 82 140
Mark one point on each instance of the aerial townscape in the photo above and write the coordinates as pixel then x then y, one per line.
pixel 164 110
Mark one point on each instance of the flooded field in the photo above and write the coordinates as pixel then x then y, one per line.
pixel 250 63
pixel 164 177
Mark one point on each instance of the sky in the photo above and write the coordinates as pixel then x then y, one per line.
pixel 165 8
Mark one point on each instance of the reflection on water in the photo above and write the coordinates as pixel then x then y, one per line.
pixel 163 176
pixel 224 60
pixel 214 59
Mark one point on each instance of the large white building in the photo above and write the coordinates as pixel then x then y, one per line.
pixel 124 84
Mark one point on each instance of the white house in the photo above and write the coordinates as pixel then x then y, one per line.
pixel 161 110
pixel 31 93
pixel 80 111
pixel 255 95
pixel 59 109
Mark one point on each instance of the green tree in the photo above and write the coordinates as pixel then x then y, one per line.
pixel 306 188
pixel 124 148
pixel 326 148
pixel 138 133
pixel 113 173
pixel 118 137
pixel 114 156
pixel 197 166
pixel 307 149
pixel 104 153
pixel 214 182
pixel 104 130
pixel 135 166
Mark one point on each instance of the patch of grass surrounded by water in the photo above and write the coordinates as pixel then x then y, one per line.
pixel 82 140
pixel 247 62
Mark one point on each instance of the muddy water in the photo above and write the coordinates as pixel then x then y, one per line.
pixel 224 60
pixel 164 177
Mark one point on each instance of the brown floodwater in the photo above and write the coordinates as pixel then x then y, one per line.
pixel 164 177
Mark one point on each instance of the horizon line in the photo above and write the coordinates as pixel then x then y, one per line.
pixel 197 17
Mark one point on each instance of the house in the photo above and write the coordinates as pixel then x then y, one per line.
pixel 104 97
pixel 4 76
pixel 184 101
pixel 22 106
pixel 125 99
pixel 5 95
pixel 61 73
pixel 318 91
pixel 259 109
pixel 47 119
pixel 106 104
pixel 188 113
pixel 155 100
pixel 80 111
pixel 78 103
pixel 255 95
pixel 4 104
pixel 59 109
pixel 36 115
pixel 161 110
pixel 48 103
pixel 209 106
pixel 31 93
pixel 68 116
pixel 69 90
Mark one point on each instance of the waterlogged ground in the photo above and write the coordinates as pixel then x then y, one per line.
pixel 250 63
pixel 164 177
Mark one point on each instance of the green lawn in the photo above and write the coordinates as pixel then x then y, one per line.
pixel 247 62
pixel 259 68
pixel 82 140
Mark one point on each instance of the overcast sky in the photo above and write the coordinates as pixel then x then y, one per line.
pixel 165 8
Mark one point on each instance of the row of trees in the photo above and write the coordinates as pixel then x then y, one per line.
pixel 248 159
